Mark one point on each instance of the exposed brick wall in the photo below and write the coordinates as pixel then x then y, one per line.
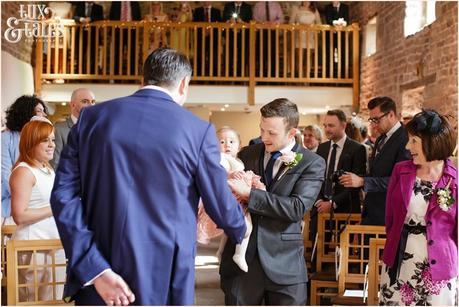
pixel 427 58
pixel 22 49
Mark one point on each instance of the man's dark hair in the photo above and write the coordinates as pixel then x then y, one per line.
pixel 386 104
pixel 437 136
pixel 165 67
pixel 282 107
pixel 21 111
pixel 338 113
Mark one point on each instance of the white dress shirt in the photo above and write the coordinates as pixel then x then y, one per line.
pixel 278 162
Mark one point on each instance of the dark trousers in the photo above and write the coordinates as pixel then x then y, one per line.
pixel 88 296
pixel 341 61
pixel 265 47
pixel 84 55
pixel 255 288
pixel 208 49
pixel 239 52
pixel 124 70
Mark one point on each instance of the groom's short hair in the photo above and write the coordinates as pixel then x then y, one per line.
pixel 165 67
pixel 282 107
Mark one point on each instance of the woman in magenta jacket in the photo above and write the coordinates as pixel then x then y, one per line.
pixel 421 251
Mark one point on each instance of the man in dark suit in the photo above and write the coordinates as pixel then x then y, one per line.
pixel 126 207
pixel 207 13
pixel 275 255
pixel 334 11
pixel 341 153
pixel 389 149
pixel 86 12
pixel 125 11
pixel 237 12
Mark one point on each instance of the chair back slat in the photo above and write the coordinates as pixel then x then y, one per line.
pixel 7 232
pixel 375 267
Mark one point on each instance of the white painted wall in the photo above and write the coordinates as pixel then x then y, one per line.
pixel 310 99
pixel 17 79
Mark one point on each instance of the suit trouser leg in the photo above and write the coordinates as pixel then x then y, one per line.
pixel 291 295
pixel 254 287
pixel 246 288
pixel 88 296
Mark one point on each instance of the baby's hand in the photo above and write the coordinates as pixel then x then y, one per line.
pixel 236 175
pixel 257 184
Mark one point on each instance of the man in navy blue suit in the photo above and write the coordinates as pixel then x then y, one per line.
pixel 127 188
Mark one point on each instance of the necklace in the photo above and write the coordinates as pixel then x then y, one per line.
pixel 45 170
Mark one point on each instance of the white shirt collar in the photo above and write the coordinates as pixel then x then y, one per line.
pixel 74 119
pixel 158 88
pixel 392 130
pixel 341 142
pixel 287 148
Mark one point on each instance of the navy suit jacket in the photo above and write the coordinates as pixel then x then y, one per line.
pixel 97 12
pixel 376 182
pixel 199 15
pixel 126 196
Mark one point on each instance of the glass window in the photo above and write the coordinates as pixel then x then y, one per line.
pixel 418 14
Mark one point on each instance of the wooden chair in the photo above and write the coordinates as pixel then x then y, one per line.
pixel 354 249
pixel 374 270
pixel 306 241
pixel 7 232
pixel 323 282
pixel 46 260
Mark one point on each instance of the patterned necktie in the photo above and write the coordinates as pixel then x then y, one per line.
pixel 270 166
pixel 268 18
pixel 330 170
pixel 125 11
pixel 381 142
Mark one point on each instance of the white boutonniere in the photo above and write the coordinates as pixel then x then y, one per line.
pixel 291 158
pixel 444 197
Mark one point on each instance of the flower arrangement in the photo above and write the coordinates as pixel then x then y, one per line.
pixel 444 197
pixel 291 158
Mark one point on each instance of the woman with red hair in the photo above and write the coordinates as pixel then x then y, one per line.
pixel 31 183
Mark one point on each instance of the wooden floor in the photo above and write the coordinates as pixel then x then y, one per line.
pixel 208 292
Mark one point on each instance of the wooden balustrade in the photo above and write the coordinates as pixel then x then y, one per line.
pixel 219 52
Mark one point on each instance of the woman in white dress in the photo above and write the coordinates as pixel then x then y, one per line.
pixel 157 35
pixel 306 13
pixel 31 183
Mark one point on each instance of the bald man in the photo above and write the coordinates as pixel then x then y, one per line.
pixel 81 98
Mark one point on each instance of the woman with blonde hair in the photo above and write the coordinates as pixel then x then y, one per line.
pixel 157 34
pixel 31 183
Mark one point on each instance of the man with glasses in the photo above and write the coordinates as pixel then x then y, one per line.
pixel 389 149
pixel 81 98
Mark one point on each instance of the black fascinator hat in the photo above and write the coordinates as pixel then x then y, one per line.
pixel 437 135
pixel 427 121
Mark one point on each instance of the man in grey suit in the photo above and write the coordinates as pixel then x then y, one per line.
pixel 81 98
pixel 275 255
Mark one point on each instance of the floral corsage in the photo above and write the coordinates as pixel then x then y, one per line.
pixel 291 158
pixel 444 197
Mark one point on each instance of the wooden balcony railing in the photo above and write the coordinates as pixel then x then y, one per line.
pixel 219 52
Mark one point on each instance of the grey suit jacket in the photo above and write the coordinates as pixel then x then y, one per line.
pixel 277 215
pixel 61 132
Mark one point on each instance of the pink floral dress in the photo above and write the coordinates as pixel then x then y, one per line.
pixel 414 284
